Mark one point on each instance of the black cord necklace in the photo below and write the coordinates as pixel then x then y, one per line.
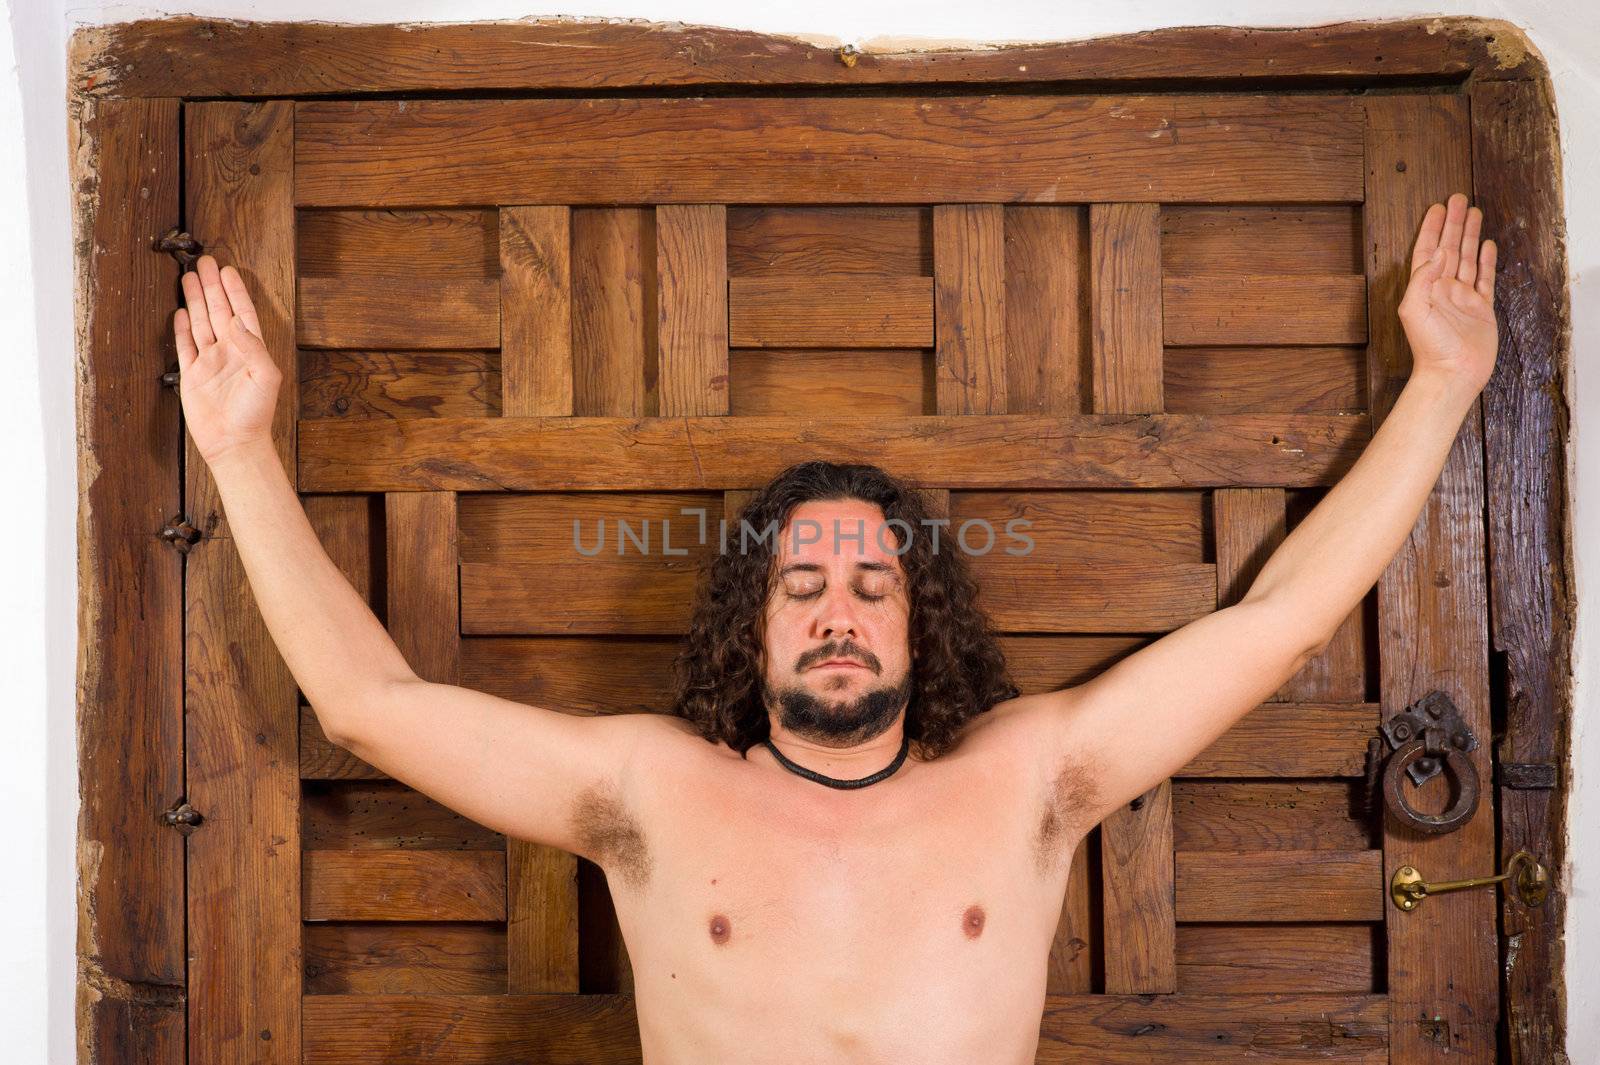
pixel 835 782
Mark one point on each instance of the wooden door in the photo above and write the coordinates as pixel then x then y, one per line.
pixel 1158 327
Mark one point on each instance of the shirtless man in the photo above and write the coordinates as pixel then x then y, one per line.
pixel 850 841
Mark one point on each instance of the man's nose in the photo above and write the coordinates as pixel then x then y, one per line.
pixel 836 616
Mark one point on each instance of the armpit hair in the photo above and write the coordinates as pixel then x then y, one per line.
pixel 609 832
pixel 1062 823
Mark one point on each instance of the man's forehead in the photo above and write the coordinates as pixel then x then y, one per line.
pixel 849 533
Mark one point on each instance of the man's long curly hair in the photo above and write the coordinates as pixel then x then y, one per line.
pixel 958 669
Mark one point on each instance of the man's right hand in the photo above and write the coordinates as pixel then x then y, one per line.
pixel 226 376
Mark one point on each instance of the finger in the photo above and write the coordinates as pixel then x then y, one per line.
pixel 199 318
pixel 1488 255
pixel 1428 236
pixel 239 297
pixel 1455 219
pixel 185 339
pixel 1468 270
pixel 216 299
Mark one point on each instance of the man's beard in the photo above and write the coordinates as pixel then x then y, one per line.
pixel 836 723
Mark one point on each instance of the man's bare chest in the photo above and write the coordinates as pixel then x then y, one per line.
pixel 747 867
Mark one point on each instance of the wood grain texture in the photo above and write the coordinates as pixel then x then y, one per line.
pixel 692 308
pixel 999 451
pixel 1432 608
pixel 614 311
pixel 802 242
pixel 892 382
pixel 1270 814
pixel 1245 959
pixel 535 311
pixel 1516 163
pixel 338 383
pixel 404 885
pixel 242 722
pixel 405 957
pixel 399 312
pixel 236 57
pixel 1281 885
pixel 830 311
pixel 421 589
pixel 856 149
pixel 1137 889
pixel 1125 307
pixel 969 289
pixel 1285 309
pixel 1047 308
pixel 130 888
pixel 1229 379
pixel 1291 740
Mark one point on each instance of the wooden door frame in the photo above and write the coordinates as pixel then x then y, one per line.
pixel 128 84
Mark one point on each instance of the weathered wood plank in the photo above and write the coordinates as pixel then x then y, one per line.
pixel 536 311
pixel 1287 309
pixel 1261 239
pixel 385 815
pixel 423 602
pixel 831 310
pixel 1432 609
pixel 456 245
pixel 241 720
pixel 404 885
pixel 1322 379
pixel 1137 889
pixel 1115 1029
pixel 1047 308
pixel 397 312
pixel 969 314
pixel 390 958
pixel 794 242
pixel 209 57
pixel 614 311
pixel 1291 740
pixel 892 149
pixel 130 945
pixel 1281 885
pixel 1125 307
pixel 887 382
pixel 693 322
pixel 998 451
pixel 399 384
pixel 1244 959
pixel 1269 814
pixel 1516 180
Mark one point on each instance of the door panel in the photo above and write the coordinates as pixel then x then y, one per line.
pixel 1160 328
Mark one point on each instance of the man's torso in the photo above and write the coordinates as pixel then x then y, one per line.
pixel 772 918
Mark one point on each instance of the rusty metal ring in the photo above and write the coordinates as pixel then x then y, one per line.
pixel 1456 765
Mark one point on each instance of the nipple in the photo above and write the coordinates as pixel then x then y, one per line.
pixel 720 929
pixel 972 922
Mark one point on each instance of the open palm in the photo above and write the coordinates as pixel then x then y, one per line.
pixel 226 376
pixel 1448 309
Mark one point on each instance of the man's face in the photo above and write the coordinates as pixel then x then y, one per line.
pixel 841 594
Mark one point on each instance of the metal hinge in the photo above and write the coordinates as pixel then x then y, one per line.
pixel 182 246
pixel 180 532
pixel 1529 776
pixel 183 817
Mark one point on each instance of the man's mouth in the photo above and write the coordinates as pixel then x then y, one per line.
pixel 835 662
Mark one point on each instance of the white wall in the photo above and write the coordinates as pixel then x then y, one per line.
pixel 38 641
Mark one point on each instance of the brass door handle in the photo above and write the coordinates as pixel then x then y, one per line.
pixel 1529 882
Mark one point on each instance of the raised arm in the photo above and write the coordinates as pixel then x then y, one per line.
pixel 1148 715
pixel 530 772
